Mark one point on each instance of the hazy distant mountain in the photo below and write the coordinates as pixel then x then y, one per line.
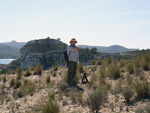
pixel 9 52
pixel 110 49
pixel 14 44
pixel 11 49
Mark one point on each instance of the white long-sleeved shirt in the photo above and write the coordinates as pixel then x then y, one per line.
pixel 73 54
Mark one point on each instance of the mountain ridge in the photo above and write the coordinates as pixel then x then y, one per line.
pixel 109 49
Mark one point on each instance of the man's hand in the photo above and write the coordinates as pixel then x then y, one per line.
pixel 78 48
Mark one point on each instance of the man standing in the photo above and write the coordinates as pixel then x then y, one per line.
pixel 73 55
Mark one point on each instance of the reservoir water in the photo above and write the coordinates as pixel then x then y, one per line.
pixel 6 61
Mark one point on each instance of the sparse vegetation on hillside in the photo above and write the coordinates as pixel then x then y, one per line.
pixel 113 86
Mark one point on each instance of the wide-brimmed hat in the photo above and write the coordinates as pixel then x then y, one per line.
pixel 73 40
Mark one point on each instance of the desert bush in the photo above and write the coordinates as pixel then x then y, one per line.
pixel 3 78
pixel 12 81
pixel 130 68
pixel 31 69
pixel 109 60
pixel 145 65
pixel 138 71
pixel 48 79
pixel 54 74
pixel 103 84
pixel 28 87
pixel 93 62
pixel 38 70
pixel 92 81
pixel 51 95
pixel 129 79
pixel 128 93
pixel 19 73
pixel 114 71
pixel 62 86
pixel 55 68
pixel 27 73
pixel 64 78
pixel 3 95
pixel 140 110
pixel 17 94
pixel 103 72
pixel 142 88
pixel 122 63
pixel 80 68
pixel 46 105
pixel 96 99
pixel 17 84
pixel 145 109
pixel 117 88
pixel 75 95
pixel 99 62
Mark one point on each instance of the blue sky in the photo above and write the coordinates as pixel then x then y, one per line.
pixel 91 22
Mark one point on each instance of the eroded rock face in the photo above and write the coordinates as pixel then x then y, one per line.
pixel 42 51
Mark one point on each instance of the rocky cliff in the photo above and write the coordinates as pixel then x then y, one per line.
pixel 44 51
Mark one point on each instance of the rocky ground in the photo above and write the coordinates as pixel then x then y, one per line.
pixel 115 103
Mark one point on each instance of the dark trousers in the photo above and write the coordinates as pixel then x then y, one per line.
pixel 72 68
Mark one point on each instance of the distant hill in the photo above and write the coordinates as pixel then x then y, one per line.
pixel 11 49
pixel 9 52
pixel 14 44
pixel 110 49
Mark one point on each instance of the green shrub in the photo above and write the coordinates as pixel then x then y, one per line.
pixel 3 95
pixel 140 110
pixel 80 68
pixel 27 73
pixel 46 105
pixel 38 70
pixel 138 71
pixel 122 63
pixel 129 79
pixel 92 82
pixel 145 65
pixel 56 68
pixel 51 95
pixel 128 93
pixel 103 72
pixel 17 84
pixel 142 88
pixel 145 109
pixel 99 62
pixel 93 62
pixel 28 87
pixel 114 71
pixel 12 82
pixel 62 86
pixel 130 68
pixel 117 88
pixel 4 78
pixel 96 99
pixel 48 79
pixel 17 94
pixel 75 95
pixel 54 74
pixel 19 73
pixel 109 60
